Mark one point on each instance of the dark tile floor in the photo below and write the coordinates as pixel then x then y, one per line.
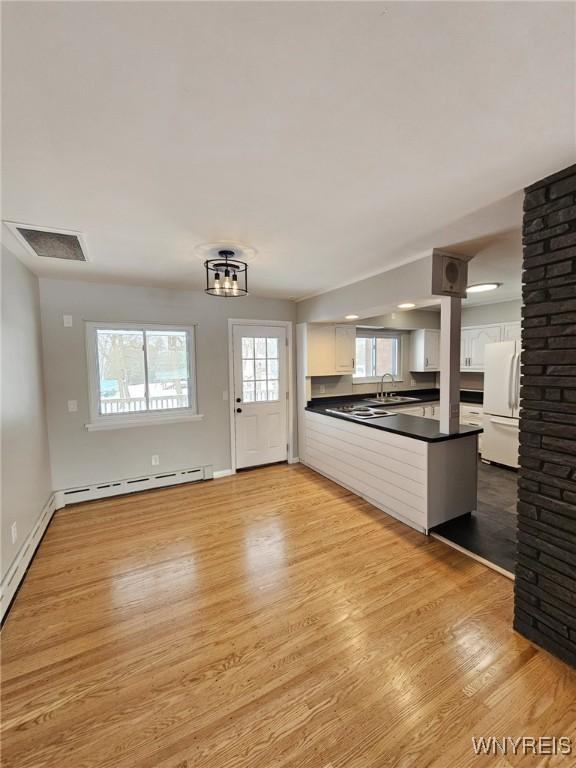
pixel 490 531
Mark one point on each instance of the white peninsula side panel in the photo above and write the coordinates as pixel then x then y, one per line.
pixel 402 476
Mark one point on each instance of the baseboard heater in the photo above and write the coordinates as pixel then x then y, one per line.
pixel 131 485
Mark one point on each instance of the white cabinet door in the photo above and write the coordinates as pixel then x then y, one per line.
pixel 432 411
pixel 471 412
pixel 475 342
pixel 344 348
pixel 464 345
pixel 412 411
pixel 425 350
pixel 511 331
pixel 432 350
pixel 320 350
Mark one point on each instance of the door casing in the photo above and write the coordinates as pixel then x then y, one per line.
pixel 290 384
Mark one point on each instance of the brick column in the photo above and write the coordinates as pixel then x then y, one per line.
pixel 545 589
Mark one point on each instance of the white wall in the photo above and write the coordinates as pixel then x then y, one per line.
pixel 80 457
pixel 501 312
pixel 26 484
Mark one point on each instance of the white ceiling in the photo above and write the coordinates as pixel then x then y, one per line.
pixel 326 135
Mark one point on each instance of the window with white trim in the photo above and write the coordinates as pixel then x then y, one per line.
pixel 140 372
pixel 377 353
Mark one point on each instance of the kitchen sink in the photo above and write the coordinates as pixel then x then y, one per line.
pixel 391 400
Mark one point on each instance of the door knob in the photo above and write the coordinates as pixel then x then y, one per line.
pixel 238 410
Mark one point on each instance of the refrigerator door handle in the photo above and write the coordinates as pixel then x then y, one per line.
pixel 517 383
pixel 511 382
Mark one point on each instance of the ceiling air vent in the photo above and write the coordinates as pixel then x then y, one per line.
pixel 50 243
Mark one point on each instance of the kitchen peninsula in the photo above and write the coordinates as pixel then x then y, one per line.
pixel 399 462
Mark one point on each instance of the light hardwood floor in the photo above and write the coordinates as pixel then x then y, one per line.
pixel 264 620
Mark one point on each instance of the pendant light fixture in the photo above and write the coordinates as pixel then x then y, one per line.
pixel 226 276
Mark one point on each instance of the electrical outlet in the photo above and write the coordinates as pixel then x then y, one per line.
pixel 322 389
pixel 72 406
pixel 14 531
pixel 155 460
pixel 67 321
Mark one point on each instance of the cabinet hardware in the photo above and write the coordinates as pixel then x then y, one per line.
pixel 238 410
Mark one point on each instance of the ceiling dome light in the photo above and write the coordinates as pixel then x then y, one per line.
pixel 229 285
pixel 406 305
pixel 481 287
pixel 351 317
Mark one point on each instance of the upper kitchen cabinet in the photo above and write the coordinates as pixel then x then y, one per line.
pixel 512 331
pixel 330 349
pixel 425 350
pixel 345 348
pixel 473 343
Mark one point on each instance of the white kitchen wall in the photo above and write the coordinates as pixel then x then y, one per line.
pixel 26 484
pixel 80 457
pixel 485 314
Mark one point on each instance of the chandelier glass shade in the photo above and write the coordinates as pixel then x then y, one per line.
pixel 226 276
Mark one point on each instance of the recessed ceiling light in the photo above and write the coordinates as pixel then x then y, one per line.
pixel 352 317
pixel 406 305
pixel 481 287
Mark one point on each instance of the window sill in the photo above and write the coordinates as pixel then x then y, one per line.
pixel 150 421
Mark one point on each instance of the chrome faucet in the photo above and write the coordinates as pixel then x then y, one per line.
pixel 380 394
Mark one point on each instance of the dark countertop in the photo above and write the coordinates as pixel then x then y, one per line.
pixel 416 427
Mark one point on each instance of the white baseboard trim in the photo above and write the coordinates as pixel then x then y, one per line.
pixel 294 460
pixel 15 573
pixel 223 473
pixel 474 556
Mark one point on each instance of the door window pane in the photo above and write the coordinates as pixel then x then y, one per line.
pixel 260 347
pixel 261 390
pixel 247 347
pixel 272 347
pixel 248 392
pixel 260 369
pixel 273 390
pixel 122 387
pixel 273 369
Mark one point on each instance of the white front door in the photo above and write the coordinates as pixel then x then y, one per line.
pixel 260 394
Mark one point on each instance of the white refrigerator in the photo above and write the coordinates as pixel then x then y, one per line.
pixel 501 402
